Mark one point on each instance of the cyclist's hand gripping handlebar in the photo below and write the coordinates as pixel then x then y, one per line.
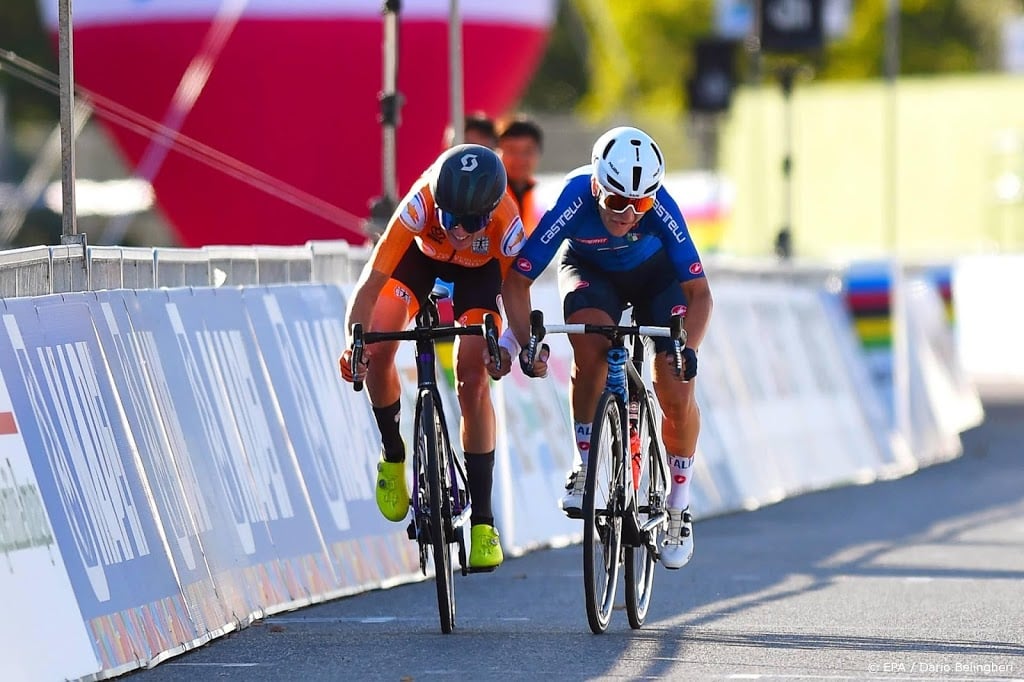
pixel 530 353
pixel 358 346
pixel 678 343
pixel 493 350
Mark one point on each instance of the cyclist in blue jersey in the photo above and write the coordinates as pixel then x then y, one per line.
pixel 626 244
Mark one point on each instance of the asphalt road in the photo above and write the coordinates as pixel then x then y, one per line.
pixel 915 579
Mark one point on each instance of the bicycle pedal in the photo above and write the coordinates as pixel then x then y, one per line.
pixel 410 530
pixel 481 569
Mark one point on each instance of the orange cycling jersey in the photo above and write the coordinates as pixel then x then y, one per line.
pixel 416 221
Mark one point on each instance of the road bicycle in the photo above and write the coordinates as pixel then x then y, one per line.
pixel 441 505
pixel 627 484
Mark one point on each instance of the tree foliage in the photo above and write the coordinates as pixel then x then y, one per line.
pixel 636 56
pixel 607 56
pixel 21 32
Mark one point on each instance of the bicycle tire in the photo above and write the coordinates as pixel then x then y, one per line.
pixel 640 560
pixel 602 513
pixel 436 446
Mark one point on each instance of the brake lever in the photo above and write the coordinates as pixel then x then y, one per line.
pixel 358 346
pixel 491 334
pixel 678 341
pixel 537 332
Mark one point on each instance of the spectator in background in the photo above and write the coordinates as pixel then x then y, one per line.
pixel 520 144
pixel 479 129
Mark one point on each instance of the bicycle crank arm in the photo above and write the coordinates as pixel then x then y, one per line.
pixel 653 522
pixel 462 519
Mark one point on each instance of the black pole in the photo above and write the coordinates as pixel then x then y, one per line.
pixel 390 99
pixel 69 222
pixel 784 240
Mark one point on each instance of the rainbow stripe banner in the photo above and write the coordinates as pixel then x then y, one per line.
pixel 867 296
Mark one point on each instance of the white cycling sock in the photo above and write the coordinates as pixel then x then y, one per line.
pixel 583 441
pixel 679 469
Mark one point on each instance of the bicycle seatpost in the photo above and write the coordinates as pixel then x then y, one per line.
pixel 427 315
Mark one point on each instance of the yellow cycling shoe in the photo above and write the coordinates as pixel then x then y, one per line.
pixel 392 491
pixel 485 553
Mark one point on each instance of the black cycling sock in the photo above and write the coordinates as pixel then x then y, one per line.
pixel 388 423
pixel 480 472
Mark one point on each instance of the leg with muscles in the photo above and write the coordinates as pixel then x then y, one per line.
pixel 384 389
pixel 588 297
pixel 477 430
pixel 679 433
pixel 590 367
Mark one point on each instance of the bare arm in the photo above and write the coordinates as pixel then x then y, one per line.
pixel 367 291
pixel 515 294
pixel 698 310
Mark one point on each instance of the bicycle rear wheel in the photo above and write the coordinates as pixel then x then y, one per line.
pixel 434 441
pixel 650 493
pixel 602 513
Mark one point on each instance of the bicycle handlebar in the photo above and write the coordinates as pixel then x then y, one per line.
pixel 361 339
pixel 674 331
pixel 614 330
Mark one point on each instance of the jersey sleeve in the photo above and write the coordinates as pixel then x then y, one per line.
pixel 554 227
pixel 675 236
pixel 509 234
pixel 409 220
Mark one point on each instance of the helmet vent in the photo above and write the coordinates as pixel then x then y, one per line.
pixel 607 148
pixel 637 173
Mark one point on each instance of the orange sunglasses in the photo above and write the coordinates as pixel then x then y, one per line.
pixel 616 203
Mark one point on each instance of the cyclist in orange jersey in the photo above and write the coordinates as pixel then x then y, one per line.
pixel 458 224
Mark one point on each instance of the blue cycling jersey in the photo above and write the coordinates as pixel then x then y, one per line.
pixel 575 218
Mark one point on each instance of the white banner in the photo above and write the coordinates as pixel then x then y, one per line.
pixel 41 614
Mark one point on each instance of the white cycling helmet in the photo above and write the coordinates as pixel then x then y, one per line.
pixel 628 162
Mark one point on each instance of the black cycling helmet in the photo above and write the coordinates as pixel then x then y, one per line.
pixel 468 183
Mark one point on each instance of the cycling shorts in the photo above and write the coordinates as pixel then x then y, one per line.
pixel 651 288
pixel 475 290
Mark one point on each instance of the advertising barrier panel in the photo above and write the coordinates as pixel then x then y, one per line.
pixel 85 460
pixel 176 463
pixel 39 603
pixel 300 331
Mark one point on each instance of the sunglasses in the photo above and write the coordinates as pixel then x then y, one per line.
pixel 469 223
pixel 616 203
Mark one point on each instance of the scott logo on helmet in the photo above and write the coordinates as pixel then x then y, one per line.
pixel 469 162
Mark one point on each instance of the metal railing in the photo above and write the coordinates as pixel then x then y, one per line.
pixel 42 270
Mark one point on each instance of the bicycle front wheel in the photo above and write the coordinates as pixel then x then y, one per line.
pixel 650 493
pixel 602 513
pixel 434 440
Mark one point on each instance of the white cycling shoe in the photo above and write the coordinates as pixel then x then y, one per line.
pixel 677 545
pixel 572 502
